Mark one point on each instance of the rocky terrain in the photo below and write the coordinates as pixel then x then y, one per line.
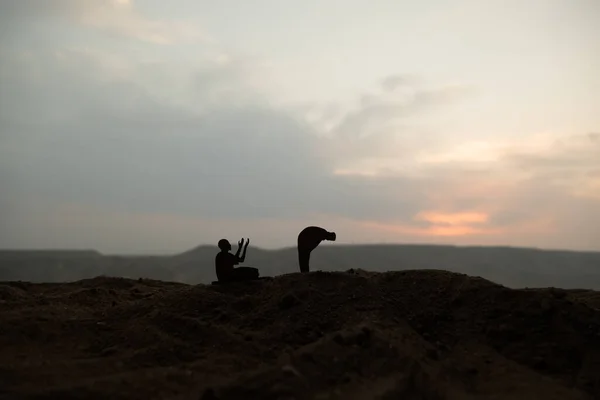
pixel 415 334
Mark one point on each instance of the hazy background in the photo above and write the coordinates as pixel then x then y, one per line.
pixel 153 126
pixel 512 267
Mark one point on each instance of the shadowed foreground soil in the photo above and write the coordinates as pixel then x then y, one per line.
pixel 412 335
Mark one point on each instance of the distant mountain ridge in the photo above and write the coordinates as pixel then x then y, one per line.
pixel 49 253
pixel 509 266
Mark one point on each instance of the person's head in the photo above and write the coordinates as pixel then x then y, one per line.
pixel 224 245
pixel 331 236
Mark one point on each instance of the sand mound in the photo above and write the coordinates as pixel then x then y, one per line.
pixel 11 293
pixel 357 335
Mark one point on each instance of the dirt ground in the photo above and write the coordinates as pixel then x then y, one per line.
pixel 420 334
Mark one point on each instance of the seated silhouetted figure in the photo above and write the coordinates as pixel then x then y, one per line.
pixel 224 262
pixel 308 240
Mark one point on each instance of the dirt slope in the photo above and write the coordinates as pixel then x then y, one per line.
pixel 422 334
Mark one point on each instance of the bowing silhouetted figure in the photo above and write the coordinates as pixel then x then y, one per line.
pixel 308 240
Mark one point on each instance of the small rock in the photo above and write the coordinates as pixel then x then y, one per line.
pixel 540 363
pixel 363 337
pixel 472 371
pixel 433 354
pixel 109 350
pixel 558 293
pixel 546 304
pixel 209 394
pixel 288 301
pixel 289 368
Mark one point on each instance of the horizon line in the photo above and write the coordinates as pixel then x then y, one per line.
pixel 283 248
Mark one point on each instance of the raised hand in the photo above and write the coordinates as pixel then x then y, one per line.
pixel 247 242
pixel 241 242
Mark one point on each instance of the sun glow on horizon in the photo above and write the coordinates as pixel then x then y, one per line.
pixel 442 224
pixel 462 218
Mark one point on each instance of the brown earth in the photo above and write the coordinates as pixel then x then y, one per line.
pixel 420 334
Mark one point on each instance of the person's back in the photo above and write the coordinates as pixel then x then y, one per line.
pixel 308 240
pixel 224 262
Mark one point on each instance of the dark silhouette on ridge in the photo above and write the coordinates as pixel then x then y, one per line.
pixel 224 262
pixel 308 240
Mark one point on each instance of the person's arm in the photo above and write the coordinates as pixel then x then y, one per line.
pixel 240 245
pixel 244 253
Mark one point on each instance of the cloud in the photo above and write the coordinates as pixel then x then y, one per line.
pixel 96 138
pixel 385 131
pixel 570 162
pixel 114 144
pixel 115 17
pixel 386 109
pixel 547 184
pixel 393 82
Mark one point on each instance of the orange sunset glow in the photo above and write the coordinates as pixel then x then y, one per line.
pixel 462 218
pixel 441 224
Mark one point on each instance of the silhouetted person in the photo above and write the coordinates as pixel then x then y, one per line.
pixel 308 240
pixel 224 262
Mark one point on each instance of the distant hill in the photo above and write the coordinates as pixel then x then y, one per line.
pixel 512 267
pixel 56 254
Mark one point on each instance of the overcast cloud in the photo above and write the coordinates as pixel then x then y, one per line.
pixel 151 132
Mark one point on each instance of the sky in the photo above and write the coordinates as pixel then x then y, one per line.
pixel 152 127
